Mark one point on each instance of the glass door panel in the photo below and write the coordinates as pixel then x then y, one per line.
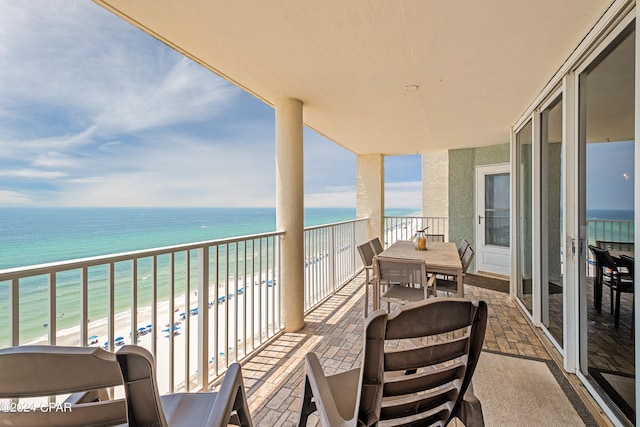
pixel 552 227
pixel 524 149
pixel 496 209
pixel 606 146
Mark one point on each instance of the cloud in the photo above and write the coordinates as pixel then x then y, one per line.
pixel 32 173
pixel 9 198
pixel 97 113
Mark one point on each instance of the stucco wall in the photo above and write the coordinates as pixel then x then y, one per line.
pixel 462 188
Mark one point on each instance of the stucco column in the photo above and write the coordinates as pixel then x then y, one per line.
pixel 370 193
pixel 290 209
pixel 435 184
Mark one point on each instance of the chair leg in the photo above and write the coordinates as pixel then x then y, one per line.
pixel 616 313
pixel 366 293
pixel 611 297
pixel 307 406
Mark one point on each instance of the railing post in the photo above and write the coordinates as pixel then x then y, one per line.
pixel 332 258
pixel 203 318
pixel 84 303
pixel 52 309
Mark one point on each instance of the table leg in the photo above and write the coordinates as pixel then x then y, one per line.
pixel 460 284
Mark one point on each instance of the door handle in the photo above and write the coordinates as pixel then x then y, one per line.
pixel 479 219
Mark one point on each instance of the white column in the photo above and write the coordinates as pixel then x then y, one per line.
pixel 370 193
pixel 290 209
pixel 435 184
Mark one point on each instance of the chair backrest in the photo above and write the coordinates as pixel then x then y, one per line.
pixel 463 247
pixel 614 246
pixel 39 371
pixel 377 245
pixel 399 270
pixel 627 262
pixel 141 387
pixel 603 258
pixel 426 355
pixel 467 257
pixel 366 254
pixel 434 237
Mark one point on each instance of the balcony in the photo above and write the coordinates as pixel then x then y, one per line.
pixel 333 330
pixel 239 319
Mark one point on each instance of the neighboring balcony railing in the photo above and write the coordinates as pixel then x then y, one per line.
pixel 404 227
pixel 196 307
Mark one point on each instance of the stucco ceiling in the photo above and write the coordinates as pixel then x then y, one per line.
pixel 477 64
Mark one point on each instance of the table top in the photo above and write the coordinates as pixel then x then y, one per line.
pixel 439 255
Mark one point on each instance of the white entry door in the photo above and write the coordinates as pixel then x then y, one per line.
pixel 492 219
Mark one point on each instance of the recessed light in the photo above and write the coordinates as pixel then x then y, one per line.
pixel 411 88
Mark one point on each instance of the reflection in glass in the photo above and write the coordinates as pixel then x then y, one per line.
pixel 525 226
pixel 496 188
pixel 607 111
pixel 552 242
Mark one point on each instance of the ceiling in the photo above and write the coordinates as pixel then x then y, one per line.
pixel 477 66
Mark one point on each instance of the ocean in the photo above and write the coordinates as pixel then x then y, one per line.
pixel 30 236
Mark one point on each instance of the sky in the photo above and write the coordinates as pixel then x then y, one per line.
pixel 95 112
pixel 610 175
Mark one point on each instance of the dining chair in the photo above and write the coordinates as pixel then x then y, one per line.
pixel 628 287
pixel 400 281
pixel 609 274
pixel 366 255
pixel 449 284
pixel 377 245
pixel 417 366
pixel 434 237
pixel 463 247
pixel 84 373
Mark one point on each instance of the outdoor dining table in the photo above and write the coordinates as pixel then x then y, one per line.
pixel 440 258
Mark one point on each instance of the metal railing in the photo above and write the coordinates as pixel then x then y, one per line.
pixel 404 227
pixel 610 230
pixel 331 258
pixel 196 307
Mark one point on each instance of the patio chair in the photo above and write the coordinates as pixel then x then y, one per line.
pixel 420 338
pixel 377 246
pixel 366 254
pixel 449 284
pixel 608 274
pixel 434 237
pixel 86 372
pixel 400 281
pixel 627 286
pixel 463 247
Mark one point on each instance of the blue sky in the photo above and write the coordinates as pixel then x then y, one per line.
pixel 96 113
pixel 610 175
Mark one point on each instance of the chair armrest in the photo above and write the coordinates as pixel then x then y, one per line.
pixel 470 410
pixel 231 397
pixel 324 399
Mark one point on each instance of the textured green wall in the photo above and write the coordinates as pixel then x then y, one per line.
pixel 462 188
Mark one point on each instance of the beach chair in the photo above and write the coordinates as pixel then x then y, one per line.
pixel 416 370
pixel 86 372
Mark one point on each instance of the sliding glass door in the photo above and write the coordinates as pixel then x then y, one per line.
pixel 606 203
pixel 552 251
pixel 524 154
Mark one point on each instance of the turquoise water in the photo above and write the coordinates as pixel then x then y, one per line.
pixel 31 236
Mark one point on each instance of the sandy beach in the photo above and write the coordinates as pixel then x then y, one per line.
pixel 228 344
